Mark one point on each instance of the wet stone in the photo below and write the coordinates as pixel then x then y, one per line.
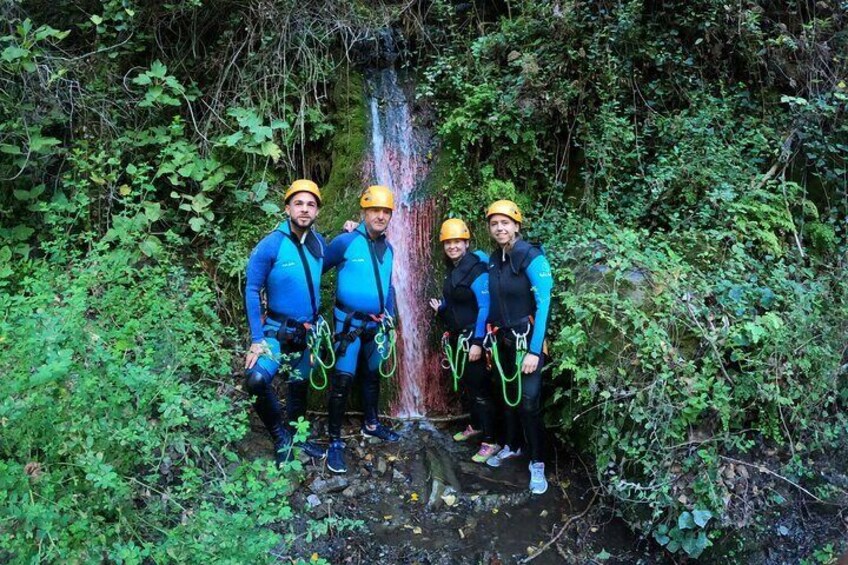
pixel 312 500
pixel 350 491
pixel 324 486
pixel 398 476
pixel 382 466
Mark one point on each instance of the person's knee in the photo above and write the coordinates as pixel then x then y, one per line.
pixel 531 404
pixel 340 383
pixel 256 381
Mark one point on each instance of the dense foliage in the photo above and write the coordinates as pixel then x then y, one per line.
pixel 683 162
pixel 686 168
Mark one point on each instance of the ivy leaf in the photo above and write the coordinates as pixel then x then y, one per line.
pixel 685 521
pixel 270 208
pixel 695 546
pixel 151 246
pixel 272 150
pixel 701 517
pixel 200 203
pixel 96 20
pixel 197 224
pixel 153 211
pixel 13 53
pixel 40 144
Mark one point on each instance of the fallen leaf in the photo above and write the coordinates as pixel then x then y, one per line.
pixel 417 530
pixel 495 510
pixel 461 534
pixel 450 499
pixel 388 517
pixel 413 497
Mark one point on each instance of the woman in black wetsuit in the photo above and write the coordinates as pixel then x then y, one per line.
pixel 464 308
pixel 520 287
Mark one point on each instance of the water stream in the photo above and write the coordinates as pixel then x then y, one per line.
pixel 397 160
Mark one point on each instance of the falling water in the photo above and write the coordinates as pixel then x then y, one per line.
pixel 397 161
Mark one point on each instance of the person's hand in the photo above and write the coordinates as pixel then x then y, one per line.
pixel 475 352
pixel 530 363
pixel 255 352
pixel 435 304
pixel 350 225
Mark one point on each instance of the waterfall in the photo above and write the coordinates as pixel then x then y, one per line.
pixel 397 161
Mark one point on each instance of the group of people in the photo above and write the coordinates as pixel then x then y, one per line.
pixel 495 310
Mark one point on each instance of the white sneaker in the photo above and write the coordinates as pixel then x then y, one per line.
pixel 502 455
pixel 538 482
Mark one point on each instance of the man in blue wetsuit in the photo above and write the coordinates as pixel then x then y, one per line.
pixel 287 263
pixel 364 302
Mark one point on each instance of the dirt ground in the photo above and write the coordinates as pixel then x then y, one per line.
pixel 423 501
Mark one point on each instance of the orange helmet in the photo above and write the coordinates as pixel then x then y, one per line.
pixel 454 229
pixel 505 207
pixel 303 185
pixel 377 196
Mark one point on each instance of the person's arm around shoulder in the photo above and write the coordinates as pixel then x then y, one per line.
pixel 334 252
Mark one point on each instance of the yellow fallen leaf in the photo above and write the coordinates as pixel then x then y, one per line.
pixel 450 499
pixel 388 517
pixel 494 510
pixel 417 530
pixel 413 497
pixel 314 557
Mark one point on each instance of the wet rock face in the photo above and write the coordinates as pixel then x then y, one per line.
pixel 379 49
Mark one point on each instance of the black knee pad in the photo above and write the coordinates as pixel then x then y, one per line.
pixel 256 382
pixel 531 405
pixel 340 382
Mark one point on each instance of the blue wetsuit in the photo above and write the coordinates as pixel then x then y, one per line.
pixel 520 286
pixel 364 293
pixel 464 310
pixel 289 269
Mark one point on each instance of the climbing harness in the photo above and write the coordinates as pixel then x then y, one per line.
pixel 491 345
pixel 320 336
pixel 386 341
pixel 456 360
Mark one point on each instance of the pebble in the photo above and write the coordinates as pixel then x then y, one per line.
pixel 312 500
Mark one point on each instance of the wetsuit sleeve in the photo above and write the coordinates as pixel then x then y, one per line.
pixel 258 266
pixel 541 283
pixel 480 287
pixel 334 252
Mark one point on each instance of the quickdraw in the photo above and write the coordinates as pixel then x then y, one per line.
pixel 386 341
pixel 520 353
pixel 455 361
pixel 320 336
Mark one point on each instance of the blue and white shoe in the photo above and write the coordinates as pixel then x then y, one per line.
pixel 538 482
pixel 380 432
pixel 335 457
pixel 498 458
pixel 312 449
